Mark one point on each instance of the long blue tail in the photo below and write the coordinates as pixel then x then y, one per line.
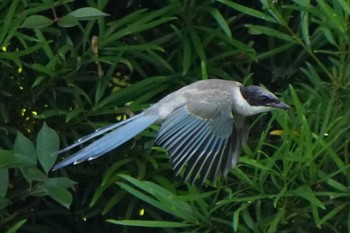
pixel 121 133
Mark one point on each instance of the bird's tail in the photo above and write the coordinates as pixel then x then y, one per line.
pixel 121 132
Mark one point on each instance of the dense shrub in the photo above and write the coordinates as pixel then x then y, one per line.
pixel 69 67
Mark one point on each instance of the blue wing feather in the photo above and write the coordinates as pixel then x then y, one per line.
pixel 196 142
pixel 179 159
pixel 96 133
pixel 120 134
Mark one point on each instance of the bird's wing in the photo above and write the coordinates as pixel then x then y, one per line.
pixel 202 136
pixel 95 134
pixel 121 133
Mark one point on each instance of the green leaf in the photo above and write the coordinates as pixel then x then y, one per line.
pixel 345 6
pixel 61 195
pixel 4 202
pixel 47 144
pixel 221 21
pixel 187 54
pixel 37 21
pixel 87 13
pixel 159 197
pixel 204 71
pixel 115 199
pixel 330 16
pixel 68 21
pixel 25 147
pixel 43 69
pixel 248 11
pixel 278 218
pixel 306 193
pixel 257 30
pixel 198 45
pixel 330 214
pixel 146 223
pixel 8 159
pixel 4 181
pixel 7 28
pixel 16 227
pixel 33 174
pixel 61 182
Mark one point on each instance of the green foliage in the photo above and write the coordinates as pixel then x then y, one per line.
pixel 25 157
pixel 81 65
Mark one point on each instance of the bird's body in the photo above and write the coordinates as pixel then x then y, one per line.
pixel 203 127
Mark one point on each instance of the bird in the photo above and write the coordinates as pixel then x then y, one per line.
pixel 203 127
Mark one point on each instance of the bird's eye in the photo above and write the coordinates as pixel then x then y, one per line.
pixel 264 98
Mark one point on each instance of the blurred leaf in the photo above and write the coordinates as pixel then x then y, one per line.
pixel 334 212
pixel 42 69
pixel 198 45
pixel 221 21
pixel 87 13
pixel 204 70
pixel 145 223
pixel 331 17
pixel 37 21
pixel 61 182
pixel 345 6
pixel 68 21
pixel 276 220
pixel 115 199
pixel 248 11
pixel 17 226
pixel 47 144
pixel 7 29
pixel 8 159
pixel 307 193
pixel 4 182
pixel 4 202
pixel 257 30
pixel 187 55
pixel 158 197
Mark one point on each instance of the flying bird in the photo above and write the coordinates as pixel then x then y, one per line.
pixel 202 127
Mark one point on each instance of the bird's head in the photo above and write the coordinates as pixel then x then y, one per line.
pixel 261 100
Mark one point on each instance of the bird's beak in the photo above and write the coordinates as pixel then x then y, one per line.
pixel 280 105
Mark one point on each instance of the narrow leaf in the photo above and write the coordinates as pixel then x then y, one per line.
pixel 306 193
pixel 186 58
pixel 198 45
pixel 17 226
pixel 221 21
pixel 146 223
pixel 248 11
pixel 257 30
pixel 4 181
